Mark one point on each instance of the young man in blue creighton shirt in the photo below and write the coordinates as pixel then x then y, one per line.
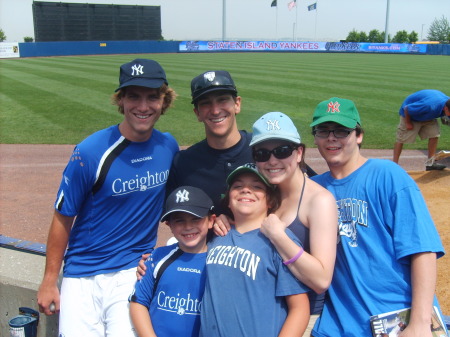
pixel 385 229
pixel 167 300
pixel 107 209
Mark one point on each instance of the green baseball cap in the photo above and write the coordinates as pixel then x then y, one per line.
pixel 247 168
pixel 337 110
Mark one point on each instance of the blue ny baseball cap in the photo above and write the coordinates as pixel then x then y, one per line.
pixel 275 125
pixel 188 199
pixel 142 73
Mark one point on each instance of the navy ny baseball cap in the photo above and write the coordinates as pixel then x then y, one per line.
pixel 142 73
pixel 190 200
pixel 209 81
pixel 274 125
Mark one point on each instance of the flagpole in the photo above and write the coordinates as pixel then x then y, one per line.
pixel 386 33
pixel 296 21
pixel 315 24
pixel 224 19
pixel 276 23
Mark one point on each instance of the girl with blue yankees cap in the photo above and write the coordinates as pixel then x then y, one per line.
pixel 307 209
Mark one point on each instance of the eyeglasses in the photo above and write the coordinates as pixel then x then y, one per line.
pixel 338 133
pixel 280 152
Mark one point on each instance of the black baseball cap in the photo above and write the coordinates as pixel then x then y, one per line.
pixel 190 200
pixel 142 73
pixel 209 81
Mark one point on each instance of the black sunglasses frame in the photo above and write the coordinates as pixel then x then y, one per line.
pixel 280 152
pixel 347 131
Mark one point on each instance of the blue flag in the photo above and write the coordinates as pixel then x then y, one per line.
pixel 312 7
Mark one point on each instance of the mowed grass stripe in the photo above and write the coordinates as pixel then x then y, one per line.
pixel 290 82
pixel 90 77
pixel 54 110
pixel 59 90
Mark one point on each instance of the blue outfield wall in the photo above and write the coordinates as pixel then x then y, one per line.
pixel 438 49
pixel 42 49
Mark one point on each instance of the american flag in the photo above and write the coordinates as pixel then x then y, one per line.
pixel 291 4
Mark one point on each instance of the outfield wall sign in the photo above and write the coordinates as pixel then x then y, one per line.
pixel 9 49
pixel 229 46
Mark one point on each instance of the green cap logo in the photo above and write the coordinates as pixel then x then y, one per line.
pixel 337 110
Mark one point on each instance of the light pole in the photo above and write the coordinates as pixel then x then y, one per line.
pixel 224 19
pixel 386 29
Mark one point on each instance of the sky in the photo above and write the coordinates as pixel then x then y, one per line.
pixel 256 20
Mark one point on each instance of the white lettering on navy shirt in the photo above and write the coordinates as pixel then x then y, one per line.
pixel 235 257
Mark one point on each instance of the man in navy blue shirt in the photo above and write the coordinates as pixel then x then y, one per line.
pixel 207 163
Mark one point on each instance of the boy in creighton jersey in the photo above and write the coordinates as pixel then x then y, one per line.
pixel 249 289
pixel 107 210
pixel 166 301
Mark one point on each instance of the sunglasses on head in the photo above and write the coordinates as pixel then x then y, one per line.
pixel 280 152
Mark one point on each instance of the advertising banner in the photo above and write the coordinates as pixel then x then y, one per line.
pixel 9 49
pixel 202 46
pixel 375 47
pixel 288 46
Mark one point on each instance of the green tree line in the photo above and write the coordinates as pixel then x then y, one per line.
pixel 439 31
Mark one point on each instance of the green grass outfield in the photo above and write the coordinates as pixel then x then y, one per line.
pixel 61 100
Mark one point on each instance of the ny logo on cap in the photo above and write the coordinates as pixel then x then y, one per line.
pixel 250 165
pixel 210 76
pixel 137 70
pixel 272 125
pixel 333 107
pixel 182 196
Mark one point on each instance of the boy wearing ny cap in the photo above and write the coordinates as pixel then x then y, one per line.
pixel 384 229
pixel 107 209
pixel 167 300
